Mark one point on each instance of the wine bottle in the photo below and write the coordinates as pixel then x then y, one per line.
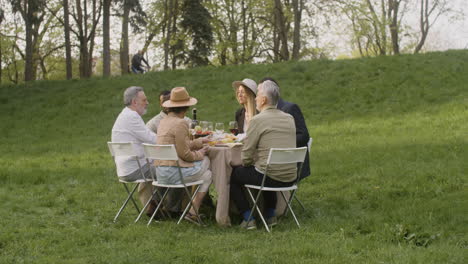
pixel 194 118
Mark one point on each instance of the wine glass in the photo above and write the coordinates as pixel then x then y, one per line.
pixel 210 126
pixel 219 127
pixel 204 126
pixel 233 127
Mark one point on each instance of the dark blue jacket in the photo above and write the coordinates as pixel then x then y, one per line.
pixel 302 134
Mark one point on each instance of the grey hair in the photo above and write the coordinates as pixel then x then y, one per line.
pixel 131 93
pixel 271 92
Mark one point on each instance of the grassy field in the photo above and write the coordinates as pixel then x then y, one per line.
pixel 389 167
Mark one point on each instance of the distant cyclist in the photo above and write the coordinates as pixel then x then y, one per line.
pixel 136 63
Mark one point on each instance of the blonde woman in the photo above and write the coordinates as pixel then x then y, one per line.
pixel 246 90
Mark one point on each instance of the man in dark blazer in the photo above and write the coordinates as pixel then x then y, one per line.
pixel 302 134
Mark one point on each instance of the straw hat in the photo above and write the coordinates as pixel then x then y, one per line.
pixel 179 98
pixel 251 84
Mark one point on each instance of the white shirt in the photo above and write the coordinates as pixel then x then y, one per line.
pixel 130 127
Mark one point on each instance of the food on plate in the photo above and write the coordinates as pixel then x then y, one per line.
pixel 199 133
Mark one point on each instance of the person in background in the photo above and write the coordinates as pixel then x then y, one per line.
pixel 193 162
pixel 129 127
pixel 246 91
pixel 271 128
pixel 153 123
pixel 302 133
pixel 136 62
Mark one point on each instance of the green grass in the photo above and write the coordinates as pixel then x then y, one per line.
pixel 389 167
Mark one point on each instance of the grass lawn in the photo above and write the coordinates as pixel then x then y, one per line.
pixel 389 167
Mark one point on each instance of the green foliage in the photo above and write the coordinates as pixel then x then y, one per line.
pixel 196 21
pixel 388 162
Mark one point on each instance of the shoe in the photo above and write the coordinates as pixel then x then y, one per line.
pixel 272 221
pixel 191 218
pixel 249 225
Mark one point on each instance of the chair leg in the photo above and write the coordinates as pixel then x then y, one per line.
pixel 255 206
pixel 190 204
pixel 129 197
pixel 300 203
pixel 288 203
pixel 157 207
pixel 146 205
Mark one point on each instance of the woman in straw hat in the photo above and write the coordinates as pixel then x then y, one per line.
pixel 246 90
pixel 194 163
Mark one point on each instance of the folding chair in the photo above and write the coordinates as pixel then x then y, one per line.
pixel 125 149
pixel 309 144
pixel 168 152
pixel 279 156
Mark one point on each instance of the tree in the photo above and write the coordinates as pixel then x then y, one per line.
pixel 86 22
pixel 32 12
pixel 136 21
pixel 2 17
pixel 298 6
pixel 429 12
pixel 106 69
pixel 196 22
pixel 66 26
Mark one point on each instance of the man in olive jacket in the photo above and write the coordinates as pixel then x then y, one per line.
pixel 271 128
pixel 302 134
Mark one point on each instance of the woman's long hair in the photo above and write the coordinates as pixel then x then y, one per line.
pixel 250 102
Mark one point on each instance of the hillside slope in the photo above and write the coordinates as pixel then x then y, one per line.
pixel 389 164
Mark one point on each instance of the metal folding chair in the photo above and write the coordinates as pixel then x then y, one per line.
pixel 279 156
pixel 309 144
pixel 168 152
pixel 125 149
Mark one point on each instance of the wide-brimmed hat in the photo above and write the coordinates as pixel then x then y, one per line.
pixel 179 98
pixel 251 84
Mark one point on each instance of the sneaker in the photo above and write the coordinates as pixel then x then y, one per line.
pixel 272 221
pixel 249 225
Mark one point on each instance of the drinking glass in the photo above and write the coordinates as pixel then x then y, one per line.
pixel 210 126
pixel 204 126
pixel 233 127
pixel 219 127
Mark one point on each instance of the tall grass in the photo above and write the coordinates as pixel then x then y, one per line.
pixel 388 183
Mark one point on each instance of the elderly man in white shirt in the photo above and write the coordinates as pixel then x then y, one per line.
pixel 130 127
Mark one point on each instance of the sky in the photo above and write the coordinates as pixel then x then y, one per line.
pixel 447 33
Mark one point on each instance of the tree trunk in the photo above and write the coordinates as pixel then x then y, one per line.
pixel 394 6
pixel 282 31
pixel 124 51
pixel 1 65
pixel 68 58
pixel 167 31
pixel 174 33
pixel 106 56
pixel 424 25
pixel 28 67
pixel 298 6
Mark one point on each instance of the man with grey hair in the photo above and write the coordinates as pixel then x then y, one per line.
pixel 271 128
pixel 130 127
pixel 302 133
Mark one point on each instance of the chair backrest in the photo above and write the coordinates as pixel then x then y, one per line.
pixel 160 152
pixel 309 143
pixel 286 155
pixel 121 149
